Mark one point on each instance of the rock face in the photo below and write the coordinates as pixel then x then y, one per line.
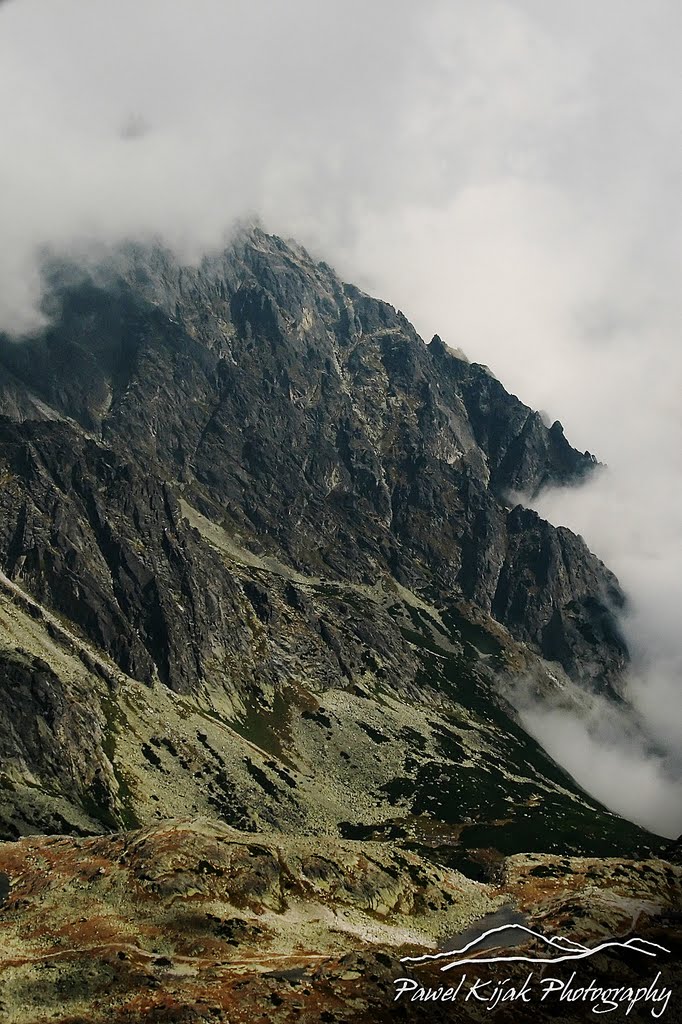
pixel 262 561
pixel 304 417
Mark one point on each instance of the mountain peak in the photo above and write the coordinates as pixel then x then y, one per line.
pixel 245 497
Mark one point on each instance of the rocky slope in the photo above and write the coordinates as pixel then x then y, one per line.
pixel 261 562
pixel 198 922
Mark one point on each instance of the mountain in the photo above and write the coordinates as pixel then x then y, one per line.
pixel 310 419
pixel 253 487
pixel 263 567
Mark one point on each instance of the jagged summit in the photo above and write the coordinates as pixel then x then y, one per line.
pixel 300 411
pixel 249 484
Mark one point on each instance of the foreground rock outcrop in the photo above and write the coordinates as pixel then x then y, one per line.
pixel 193 921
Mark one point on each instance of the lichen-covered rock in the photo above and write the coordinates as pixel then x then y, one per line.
pixel 194 921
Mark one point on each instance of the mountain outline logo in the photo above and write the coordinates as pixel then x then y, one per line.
pixel 567 949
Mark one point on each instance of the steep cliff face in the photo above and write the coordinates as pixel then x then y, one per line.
pixel 248 497
pixel 310 419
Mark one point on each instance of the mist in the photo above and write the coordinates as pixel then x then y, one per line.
pixel 506 173
pixel 597 742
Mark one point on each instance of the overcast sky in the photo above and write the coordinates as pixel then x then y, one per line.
pixel 507 173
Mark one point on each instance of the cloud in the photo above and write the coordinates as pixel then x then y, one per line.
pixel 507 173
pixel 236 108
pixel 631 518
pixel 630 778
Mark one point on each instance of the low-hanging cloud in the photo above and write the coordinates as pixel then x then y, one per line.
pixel 165 118
pixel 508 173
pixel 605 751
